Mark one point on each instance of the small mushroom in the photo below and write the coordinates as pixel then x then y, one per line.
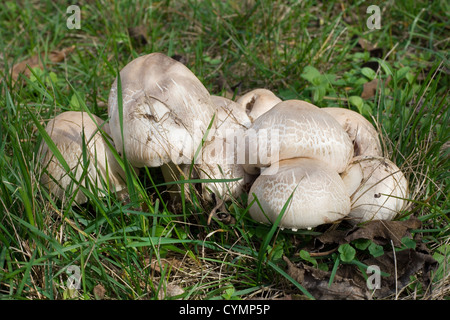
pixel 318 193
pixel 257 101
pixel 294 129
pixel 362 133
pixel 377 187
pixel 67 131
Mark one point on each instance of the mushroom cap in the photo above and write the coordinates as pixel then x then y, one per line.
pixel 318 193
pixel 293 129
pixel 66 132
pixel 362 133
pixel 166 111
pixel 228 111
pixel 220 156
pixel 257 101
pixel 377 188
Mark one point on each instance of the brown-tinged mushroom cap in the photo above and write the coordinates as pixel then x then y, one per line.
pixel 362 133
pixel 257 101
pixel 318 193
pixel 66 131
pixel 302 130
pixel 166 111
pixel 377 187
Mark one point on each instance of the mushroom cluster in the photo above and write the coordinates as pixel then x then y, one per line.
pixel 314 165
pixel 330 167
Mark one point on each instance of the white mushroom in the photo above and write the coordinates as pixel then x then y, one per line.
pixel 293 129
pixel 377 187
pixel 220 156
pixel 67 130
pixel 318 193
pixel 166 111
pixel 166 114
pixel 362 133
pixel 257 101
pixel 230 112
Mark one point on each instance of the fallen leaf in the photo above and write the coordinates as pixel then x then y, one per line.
pixel 169 291
pixel 99 292
pixel 316 282
pixel 349 281
pixel 332 236
pixel 370 88
pixel 365 44
pixel 400 267
pixel 35 61
pixel 382 232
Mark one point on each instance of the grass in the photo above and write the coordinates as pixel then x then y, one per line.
pixel 304 50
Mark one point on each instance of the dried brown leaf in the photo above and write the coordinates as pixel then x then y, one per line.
pixel 369 89
pixel 99 292
pixel 170 290
pixel 35 61
pixel 316 282
pixel 400 267
pixel 332 236
pixel 382 232
pixel 365 44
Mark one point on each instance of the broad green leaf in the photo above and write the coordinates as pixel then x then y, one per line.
pixel 409 243
pixel 356 101
pixel 310 73
pixel 376 250
pixel 361 244
pixel 402 72
pixel 369 73
pixel 347 252
pixel 306 256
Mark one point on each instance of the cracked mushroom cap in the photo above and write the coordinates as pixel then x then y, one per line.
pixel 362 133
pixel 166 111
pixel 377 188
pixel 294 129
pixel 319 194
pixel 257 102
pixel 66 132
